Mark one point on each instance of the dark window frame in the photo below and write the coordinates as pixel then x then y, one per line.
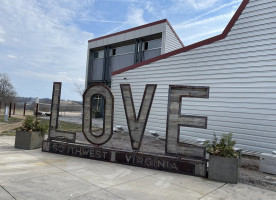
pixel 96 55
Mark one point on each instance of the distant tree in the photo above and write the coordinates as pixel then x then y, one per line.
pixel 7 90
pixel 79 89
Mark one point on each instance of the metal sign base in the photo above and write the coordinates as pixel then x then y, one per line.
pixel 170 163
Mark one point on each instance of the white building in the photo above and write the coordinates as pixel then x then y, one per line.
pixel 238 65
pixel 116 51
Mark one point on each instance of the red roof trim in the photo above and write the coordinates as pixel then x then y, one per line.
pixel 192 46
pixel 131 29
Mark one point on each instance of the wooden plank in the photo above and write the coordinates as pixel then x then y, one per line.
pixel 137 125
pixel 55 134
pixel 175 120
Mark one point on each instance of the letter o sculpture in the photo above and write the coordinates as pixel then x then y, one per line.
pixel 104 91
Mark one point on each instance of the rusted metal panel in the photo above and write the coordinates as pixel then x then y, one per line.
pixel 196 167
pixel 175 120
pixel 55 134
pixel 137 125
pixel 104 91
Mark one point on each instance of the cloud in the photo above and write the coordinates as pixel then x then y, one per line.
pixel 12 56
pixel 191 32
pixel 135 16
pixel 49 38
pixel 202 4
pixel 1 31
pixel 194 37
pixel 101 20
pixel 204 22
pixel 46 40
pixel 213 11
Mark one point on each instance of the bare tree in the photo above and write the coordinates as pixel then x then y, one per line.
pixel 7 90
pixel 79 89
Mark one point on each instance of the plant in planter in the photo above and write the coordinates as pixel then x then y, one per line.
pixel 223 160
pixel 31 134
pixel 96 114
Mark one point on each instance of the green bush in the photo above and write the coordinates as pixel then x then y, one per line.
pixel 31 124
pixel 225 147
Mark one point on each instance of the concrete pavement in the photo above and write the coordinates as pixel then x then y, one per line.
pixel 33 174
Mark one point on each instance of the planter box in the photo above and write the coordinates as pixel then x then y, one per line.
pixel 223 169
pixel 268 163
pixel 28 140
pixel 96 115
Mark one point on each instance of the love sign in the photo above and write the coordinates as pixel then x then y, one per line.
pixel 179 157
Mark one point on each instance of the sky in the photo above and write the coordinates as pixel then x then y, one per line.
pixel 43 41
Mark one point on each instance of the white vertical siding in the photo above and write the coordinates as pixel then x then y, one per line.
pixel 241 73
pixel 171 41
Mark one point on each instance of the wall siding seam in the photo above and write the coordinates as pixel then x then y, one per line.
pixel 222 73
pixel 258 3
pixel 257 18
pixel 235 51
pixel 253 8
pixel 171 42
pixel 244 41
pixel 187 65
pixel 256 9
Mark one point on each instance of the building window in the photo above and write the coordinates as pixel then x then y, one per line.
pixel 113 52
pixel 146 46
pixel 152 44
pixel 96 54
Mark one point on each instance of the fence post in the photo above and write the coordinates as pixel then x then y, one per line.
pixel 6 115
pixel 14 104
pixel 10 109
pixel 0 106
pixel 36 111
pixel 24 109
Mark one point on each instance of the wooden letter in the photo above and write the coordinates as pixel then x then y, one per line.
pixel 54 134
pixel 98 89
pixel 175 120
pixel 136 126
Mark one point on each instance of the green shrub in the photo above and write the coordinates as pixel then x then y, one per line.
pixel 31 124
pixel 225 147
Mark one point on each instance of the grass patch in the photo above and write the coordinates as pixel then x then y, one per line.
pixel 69 126
pixel 12 120
pixel 8 133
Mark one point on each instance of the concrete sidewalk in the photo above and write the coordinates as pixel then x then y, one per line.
pixel 37 175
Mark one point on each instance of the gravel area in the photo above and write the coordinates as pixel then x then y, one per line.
pixel 249 174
